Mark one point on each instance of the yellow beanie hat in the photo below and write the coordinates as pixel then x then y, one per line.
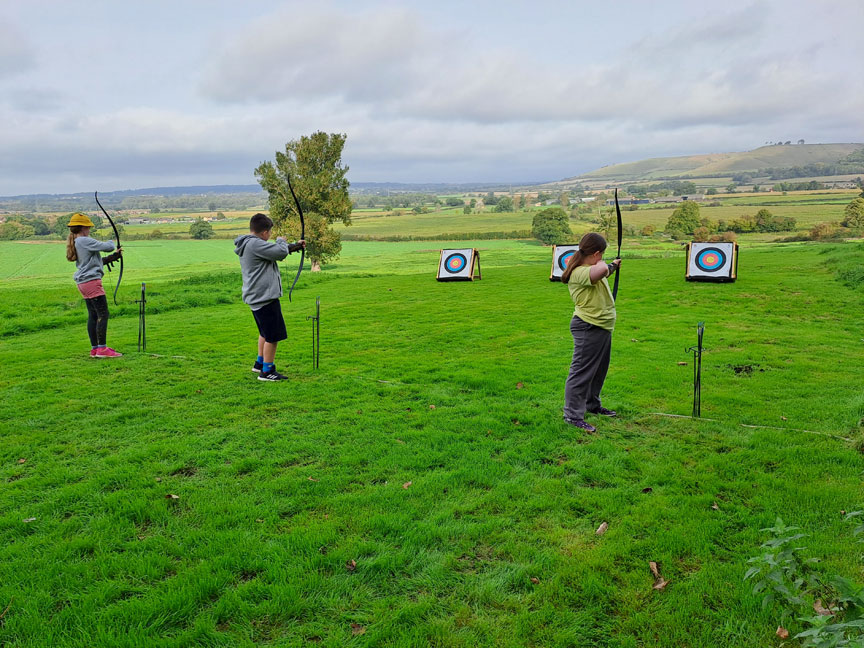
pixel 80 219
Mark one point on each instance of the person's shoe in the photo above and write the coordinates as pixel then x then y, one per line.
pixel 92 353
pixel 271 375
pixel 257 367
pixel 582 425
pixel 107 352
pixel 605 412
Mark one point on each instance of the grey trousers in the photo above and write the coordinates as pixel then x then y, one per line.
pixel 591 348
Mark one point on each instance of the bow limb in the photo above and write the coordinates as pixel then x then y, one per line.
pixel 302 236
pixel 117 238
pixel 620 228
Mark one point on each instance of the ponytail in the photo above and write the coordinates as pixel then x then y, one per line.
pixel 592 242
pixel 71 251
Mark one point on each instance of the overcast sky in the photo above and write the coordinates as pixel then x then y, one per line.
pixel 113 95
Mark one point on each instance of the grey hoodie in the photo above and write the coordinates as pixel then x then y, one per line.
pixel 89 261
pixel 262 282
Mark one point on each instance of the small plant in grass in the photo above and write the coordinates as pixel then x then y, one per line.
pixel 790 580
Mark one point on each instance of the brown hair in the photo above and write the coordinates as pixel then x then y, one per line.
pixel 260 223
pixel 592 242
pixel 74 233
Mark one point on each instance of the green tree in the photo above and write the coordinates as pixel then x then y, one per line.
pixel 685 219
pixel 314 163
pixel 466 209
pixel 648 230
pixel 711 192
pixel 15 231
pixel 454 202
pixel 505 204
pixel 564 199
pixel 201 229
pixel 61 225
pixel 220 216
pixel 550 226
pixel 40 227
pixel 853 214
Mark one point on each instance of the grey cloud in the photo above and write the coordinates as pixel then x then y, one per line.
pixel 17 54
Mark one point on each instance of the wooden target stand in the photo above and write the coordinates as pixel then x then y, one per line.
pixel 461 264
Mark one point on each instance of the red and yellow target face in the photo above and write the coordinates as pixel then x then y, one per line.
pixel 710 259
pixel 455 263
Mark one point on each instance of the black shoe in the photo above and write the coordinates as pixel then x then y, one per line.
pixel 271 375
pixel 257 367
pixel 605 412
pixel 582 425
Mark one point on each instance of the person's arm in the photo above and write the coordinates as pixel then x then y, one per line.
pixel 275 251
pixel 94 245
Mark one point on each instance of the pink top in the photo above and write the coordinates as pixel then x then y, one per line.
pixel 91 289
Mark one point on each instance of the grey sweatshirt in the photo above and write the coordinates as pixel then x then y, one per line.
pixel 262 282
pixel 89 261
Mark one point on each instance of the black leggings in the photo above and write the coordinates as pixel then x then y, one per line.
pixel 97 321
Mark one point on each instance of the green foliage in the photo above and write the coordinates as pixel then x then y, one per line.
pixel 685 218
pixel 853 215
pixel 781 575
pixel 201 229
pixel 14 231
pixel 314 164
pixel 551 226
pixel 505 204
pixel 454 202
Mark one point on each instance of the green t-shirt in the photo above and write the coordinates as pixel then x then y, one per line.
pixel 594 303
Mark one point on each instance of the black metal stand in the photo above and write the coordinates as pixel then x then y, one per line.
pixel 142 325
pixel 697 370
pixel 316 333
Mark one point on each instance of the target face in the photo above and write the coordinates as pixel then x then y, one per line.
pixel 561 254
pixel 457 265
pixel 712 261
pixel 454 263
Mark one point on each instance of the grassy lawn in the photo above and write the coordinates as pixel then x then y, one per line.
pixel 419 488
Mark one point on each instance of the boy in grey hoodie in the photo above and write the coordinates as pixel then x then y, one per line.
pixel 262 288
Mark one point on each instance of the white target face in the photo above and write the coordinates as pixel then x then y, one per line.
pixel 711 261
pixel 456 264
pixel 561 254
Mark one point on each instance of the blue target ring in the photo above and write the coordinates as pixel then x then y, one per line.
pixel 564 258
pixel 455 263
pixel 710 259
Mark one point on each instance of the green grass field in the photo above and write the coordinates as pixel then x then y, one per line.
pixel 419 488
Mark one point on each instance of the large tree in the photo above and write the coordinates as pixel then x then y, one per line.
pixel 685 219
pixel 314 163
pixel 551 226
pixel 853 215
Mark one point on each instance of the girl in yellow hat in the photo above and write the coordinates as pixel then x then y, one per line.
pixel 85 252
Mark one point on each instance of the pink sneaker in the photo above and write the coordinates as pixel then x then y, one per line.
pixel 107 352
pixel 92 353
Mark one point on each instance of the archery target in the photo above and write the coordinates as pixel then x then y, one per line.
pixel 560 256
pixel 712 261
pixel 457 265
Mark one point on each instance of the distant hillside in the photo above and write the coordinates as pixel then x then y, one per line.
pixel 718 164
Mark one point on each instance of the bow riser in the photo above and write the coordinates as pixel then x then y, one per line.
pixel 117 238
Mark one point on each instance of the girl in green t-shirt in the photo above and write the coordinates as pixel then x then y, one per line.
pixel 591 326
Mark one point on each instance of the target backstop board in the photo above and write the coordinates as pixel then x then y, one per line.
pixel 560 256
pixel 717 262
pixel 459 265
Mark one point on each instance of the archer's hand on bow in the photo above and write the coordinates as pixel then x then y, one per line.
pixel 299 245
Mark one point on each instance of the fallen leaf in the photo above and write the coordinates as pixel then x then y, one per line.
pixel 633 340
pixel 158 479
pixel 659 582
pixel 322 550
pixel 535 580
pixel 682 364
pixel 822 611
pixel 431 407
pixel 843 512
pixel 357 629
pixel 172 496
pixel 516 422
pixel 27 520
pixel 407 485
pixel 647 489
pixel 359 411
pixel 715 507
pixel 312 479
pixel 519 385
pixel 351 565
pixel 602 529
pixel 259 519
pixel 22 460
pixel 783 418
pixel 400 441
pixel 408 409
pixel 782 632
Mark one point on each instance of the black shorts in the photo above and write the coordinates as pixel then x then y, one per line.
pixel 270 323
